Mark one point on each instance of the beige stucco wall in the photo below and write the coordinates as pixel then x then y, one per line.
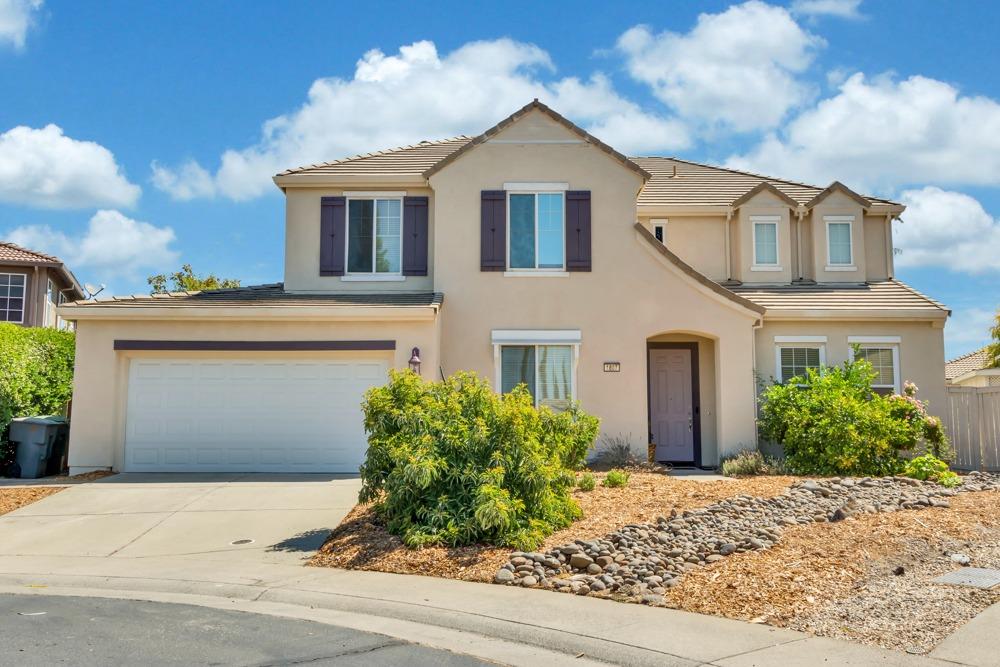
pixel 837 204
pixel 302 212
pixel 764 204
pixel 631 294
pixel 698 240
pixel 876 262
pixel 101 375
pixel 921 349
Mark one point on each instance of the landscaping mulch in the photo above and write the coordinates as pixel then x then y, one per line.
pixel 16 497
pixel 362 543
pixel 867 578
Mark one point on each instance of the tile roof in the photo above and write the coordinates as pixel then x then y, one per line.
pixel 696 184
pixel 973 361
pixel 267 295
pixel 882 295
pixel 11 252
pixel 402 161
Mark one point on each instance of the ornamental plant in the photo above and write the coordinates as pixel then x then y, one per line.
pixel 616 478
pixel 36 375
pixel 929 467
pixel 832 423
pixel 454 463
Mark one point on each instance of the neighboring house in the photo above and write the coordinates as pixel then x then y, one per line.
pixel 658 292
pixel 972 370
pixel 32 286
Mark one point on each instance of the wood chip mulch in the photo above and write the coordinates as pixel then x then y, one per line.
pixel 867 578
pixel 362 543
pixel 16 497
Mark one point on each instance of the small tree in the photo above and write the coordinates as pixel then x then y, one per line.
pixel 186 281
pixel 993 349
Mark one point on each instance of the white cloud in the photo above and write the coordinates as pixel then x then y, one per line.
pixel 947 229
pixel 736 69
pixel 881 133
pixel 968 329
pixel 16 18
pixel 843 9
pixel 114 246
pixel 420 94
pixel 45 168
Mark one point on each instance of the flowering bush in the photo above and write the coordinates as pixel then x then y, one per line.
pixel 454 463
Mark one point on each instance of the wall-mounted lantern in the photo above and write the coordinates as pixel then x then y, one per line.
pixel 415 360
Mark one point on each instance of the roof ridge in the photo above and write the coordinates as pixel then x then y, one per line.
pixel 981 350
pixel 376 153
pixel 45 256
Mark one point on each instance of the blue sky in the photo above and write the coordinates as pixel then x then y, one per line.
pixel 137 136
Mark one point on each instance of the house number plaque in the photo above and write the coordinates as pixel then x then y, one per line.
pixel 612 367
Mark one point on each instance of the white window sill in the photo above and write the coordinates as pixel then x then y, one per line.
pixel 765 267
pixel 536 274
pixel 841 267
pixel 373 278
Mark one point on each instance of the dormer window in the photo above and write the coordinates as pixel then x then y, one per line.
pixel 374 235
pixel 839 247
pixel 765 243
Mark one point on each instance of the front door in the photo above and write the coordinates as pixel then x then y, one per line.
pixel 673 411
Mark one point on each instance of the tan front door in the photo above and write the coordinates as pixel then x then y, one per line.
pixel 671 404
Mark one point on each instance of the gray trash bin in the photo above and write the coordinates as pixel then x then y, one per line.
pixel 41 444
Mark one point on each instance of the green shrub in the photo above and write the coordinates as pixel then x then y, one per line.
pixel 615 451
pixel 929 467
pixel 454 463
pixel 615 478
pixel 750 462
pixel 36 375
pixel 586 482
pixel 832 423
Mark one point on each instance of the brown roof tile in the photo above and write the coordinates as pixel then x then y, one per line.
pixel 882 295
pixel 403 161
pixel 11 252
pixel 973 361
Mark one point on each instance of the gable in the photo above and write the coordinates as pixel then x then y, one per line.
pixel 536 127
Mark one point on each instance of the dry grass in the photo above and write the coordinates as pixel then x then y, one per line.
pixel 361 543
pixel 16 497
pixel 814 565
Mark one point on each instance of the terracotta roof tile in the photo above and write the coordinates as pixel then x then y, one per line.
pixel 11 252
pixel 973 361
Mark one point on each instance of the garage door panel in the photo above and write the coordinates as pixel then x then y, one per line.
pixel 244 416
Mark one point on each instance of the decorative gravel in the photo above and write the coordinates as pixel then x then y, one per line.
pixel 643 560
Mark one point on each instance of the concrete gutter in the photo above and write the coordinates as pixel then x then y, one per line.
pixel 510 625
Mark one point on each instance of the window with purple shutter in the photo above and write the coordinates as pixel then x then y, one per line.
pixel 415 236
pixel 578 230
pixel 332 236
pixel 493 231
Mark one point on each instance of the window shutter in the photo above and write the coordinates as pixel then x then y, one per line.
pixel 578 230
pixel 415 236
pixel 493 231
pixel 332 236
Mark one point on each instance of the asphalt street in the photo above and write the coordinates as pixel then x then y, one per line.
pixel 53 630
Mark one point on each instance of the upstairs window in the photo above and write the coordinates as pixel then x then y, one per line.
pixel 536 228
pixel 840 252
pixel 12 297
pixel 374 236
pixel 765 242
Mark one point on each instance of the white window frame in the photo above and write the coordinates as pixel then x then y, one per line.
pixel 542 190
pixel 880 343
pixel 766 220
pixel 813 342
pixel 24 298
pixel 373 275
pixel 536 338
pixel 661 224
pixel 840 220
pixel 50 301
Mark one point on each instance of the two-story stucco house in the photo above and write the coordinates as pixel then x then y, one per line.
pixel 657 292
pixel 33 285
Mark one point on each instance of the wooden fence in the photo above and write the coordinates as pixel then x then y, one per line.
pixel 972 421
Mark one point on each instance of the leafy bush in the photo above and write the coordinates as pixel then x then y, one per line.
pixel 749 462
pixel 929 467
pixel 832 423
pixel 615 451
pixel 616 478
pixel 453 463
pixel 586 482
pixel 36 375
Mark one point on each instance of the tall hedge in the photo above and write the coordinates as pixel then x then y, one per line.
pixel 454 463
pixel 36 374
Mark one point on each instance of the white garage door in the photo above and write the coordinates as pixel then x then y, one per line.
pixel 230 415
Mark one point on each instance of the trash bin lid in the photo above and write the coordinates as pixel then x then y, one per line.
pixel 48 420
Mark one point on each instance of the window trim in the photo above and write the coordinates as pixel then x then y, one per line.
pixel 24 297
pixel 774 220
pixel 812 342
pixel 536 271
pixel 661 224
pixel 840 220
pixel 536 338
pixel 50 300
pixel 880 343
pixel 373 276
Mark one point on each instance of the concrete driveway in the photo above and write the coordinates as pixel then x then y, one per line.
pixel 225 517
